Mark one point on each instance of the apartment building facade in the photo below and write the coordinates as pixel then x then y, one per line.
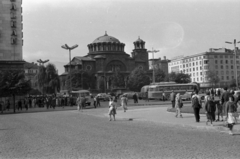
pixel 11 35
pixel 220 61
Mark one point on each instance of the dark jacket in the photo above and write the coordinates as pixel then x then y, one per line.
pixel 231 107
pixel 225 96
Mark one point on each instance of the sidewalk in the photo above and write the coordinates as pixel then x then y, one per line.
pixel 160 115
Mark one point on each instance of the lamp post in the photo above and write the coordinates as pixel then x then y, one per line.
pixel 235 61
pixel 41 62
pixel 153 51
pixel 66 47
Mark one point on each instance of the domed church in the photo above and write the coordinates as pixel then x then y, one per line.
pixel 106 55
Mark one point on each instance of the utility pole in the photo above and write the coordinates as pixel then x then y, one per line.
pixel 153 63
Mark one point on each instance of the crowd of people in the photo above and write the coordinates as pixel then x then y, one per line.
pixel 38 102
pixel 225 108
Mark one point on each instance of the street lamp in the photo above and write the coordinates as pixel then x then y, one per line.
pixel 153 51
pixel 66 47
pixel 235 62
pixel 41 62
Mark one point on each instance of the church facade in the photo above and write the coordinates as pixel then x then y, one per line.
pixel 106 55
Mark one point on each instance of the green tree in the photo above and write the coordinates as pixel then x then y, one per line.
pixel 41 78
pixel 81 80
pixel 137 79
pixel 47 79
pixel 160 75
pixel 52 79
pixel 117 79
pixel 12 83
pixel 212 78
pixel 182 78
pixel 172 76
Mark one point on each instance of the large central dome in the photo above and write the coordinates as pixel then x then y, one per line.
pixel 106 38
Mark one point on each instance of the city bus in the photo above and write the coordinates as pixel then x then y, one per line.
pixel 156 90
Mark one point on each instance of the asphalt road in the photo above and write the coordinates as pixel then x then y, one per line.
pixel 90 135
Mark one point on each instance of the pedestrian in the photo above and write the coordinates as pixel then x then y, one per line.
pixel 95 102
pixel 80 101
pixel 163 96
pixel 135 98
pixel 30 102
pixel 172 98
pixel 219 110
pixel 124 102
pixel 197 105
pixel 8 105
pixel 146 96
pixel 25 104
pixel 209 108
pixel 98 101
pixel 178 105
pixel 230 109
pixel 224 100
pixel 19 104
pixel 112 109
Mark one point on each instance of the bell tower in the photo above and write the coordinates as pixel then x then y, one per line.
pixel 139 53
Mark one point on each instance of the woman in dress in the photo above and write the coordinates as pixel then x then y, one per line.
pixel 231 109
pixel 112 109
pixel 178 105
pixel 124 102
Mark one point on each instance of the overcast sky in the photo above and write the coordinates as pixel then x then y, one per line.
pixel 175 27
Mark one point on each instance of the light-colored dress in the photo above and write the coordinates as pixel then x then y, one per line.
pixel 124 103
pixel 112 108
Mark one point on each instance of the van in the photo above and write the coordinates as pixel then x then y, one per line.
pixel 84 93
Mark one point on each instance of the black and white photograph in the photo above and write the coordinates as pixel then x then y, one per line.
pixel 119 79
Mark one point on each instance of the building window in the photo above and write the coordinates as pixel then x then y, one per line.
pixel 231 61
pixel 237 62
pixel 200 67
pixel 189 69
pixel 197 73
pixel 216 67
pixel 193 69
pixel 226 56
pixel 221 66
pixel 216 61
pixel 232 77
pixel 200 73
pixel 227 72
pixel 193 74
pixel 227 78
pixel 232 72
pixel 237 57
pixel 205 61
pixel 189 64
pixel 193 63
pixel 231 66
pixel 227 67
pixel 222 77
pixel 215 56
pixel 221 61
pixel 221 56
pixel 231 56
pixel 226 61
pixel 201 78
pixel 197 68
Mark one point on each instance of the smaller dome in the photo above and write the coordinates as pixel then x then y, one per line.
pixel 138 40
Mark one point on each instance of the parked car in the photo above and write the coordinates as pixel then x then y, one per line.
pixel 186 96
pixel 104 96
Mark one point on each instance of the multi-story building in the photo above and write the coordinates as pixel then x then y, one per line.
pixel 159 63
pixel 11 34
pixel 31 70
pixel 220 61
